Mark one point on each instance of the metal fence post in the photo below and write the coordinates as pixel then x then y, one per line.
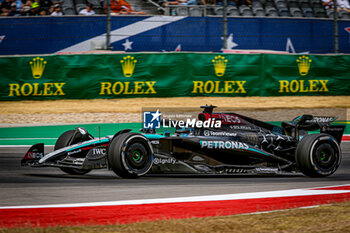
pixel 335 22
pixel 224 31
pixel 108 26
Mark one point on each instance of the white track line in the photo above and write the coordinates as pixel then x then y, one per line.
pixel 225 197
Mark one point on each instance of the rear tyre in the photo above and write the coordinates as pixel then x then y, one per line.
pixel 318 155
pixel 63 141
pixel 130 155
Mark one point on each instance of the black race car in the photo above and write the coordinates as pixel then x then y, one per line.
pixel 241 145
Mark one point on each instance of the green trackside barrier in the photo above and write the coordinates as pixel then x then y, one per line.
pixel 172 75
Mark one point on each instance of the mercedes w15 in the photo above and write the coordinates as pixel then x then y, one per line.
pixel 241 145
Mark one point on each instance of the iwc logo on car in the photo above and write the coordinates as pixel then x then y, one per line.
pixel 37 66
pixel 300 85
pixel 128 65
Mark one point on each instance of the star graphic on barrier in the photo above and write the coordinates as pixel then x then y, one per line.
pixel 1 38
pixel 290 47
pixel 348 30
pixel 156 115
pixel 229 42
pixel 178 48
pixel 127 44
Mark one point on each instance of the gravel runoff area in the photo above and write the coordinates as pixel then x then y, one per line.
pixel 15 113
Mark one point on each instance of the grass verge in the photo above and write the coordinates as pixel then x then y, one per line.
pixel 331 218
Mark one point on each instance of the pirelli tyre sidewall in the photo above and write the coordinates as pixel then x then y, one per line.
pixel 130 155
pixel 318 155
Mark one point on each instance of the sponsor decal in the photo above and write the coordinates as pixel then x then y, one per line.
pixel 266 170
pixel 223 145
pixel 218 87
pixel 34 155
pixel 229 118
pixel 322 119
pixel 128 64
pixel 99 151
pixel 242 127
pixel 303 86
pixel 73 152
pixel 164 161
pixel 37 66
pixel 224 134
pixel 304 65
pixel 219 63
pixel 127 88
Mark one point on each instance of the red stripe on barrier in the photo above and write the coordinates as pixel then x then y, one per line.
pixel 345 138
pixel 105 215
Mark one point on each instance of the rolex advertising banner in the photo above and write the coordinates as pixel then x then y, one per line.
pixel 172 75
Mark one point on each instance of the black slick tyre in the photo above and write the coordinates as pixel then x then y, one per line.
pixel 318 155
pixel 130 155
pixel 63 141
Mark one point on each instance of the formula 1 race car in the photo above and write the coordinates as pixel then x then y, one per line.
pixel 241 145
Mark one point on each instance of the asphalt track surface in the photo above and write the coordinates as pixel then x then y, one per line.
pixel 39 186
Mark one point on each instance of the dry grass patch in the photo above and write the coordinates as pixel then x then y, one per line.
pixel 134 105
pixel 128 110
pixel 333 218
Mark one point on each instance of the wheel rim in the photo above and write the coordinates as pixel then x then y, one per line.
pixel 137 156
pixel 325 156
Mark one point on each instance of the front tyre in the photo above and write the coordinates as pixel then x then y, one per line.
pixel 130 155
pixel 63 141
pixel 318 155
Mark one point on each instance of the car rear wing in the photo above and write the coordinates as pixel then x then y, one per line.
pixel 302 124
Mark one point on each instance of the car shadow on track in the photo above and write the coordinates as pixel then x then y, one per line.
pixel 67 176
